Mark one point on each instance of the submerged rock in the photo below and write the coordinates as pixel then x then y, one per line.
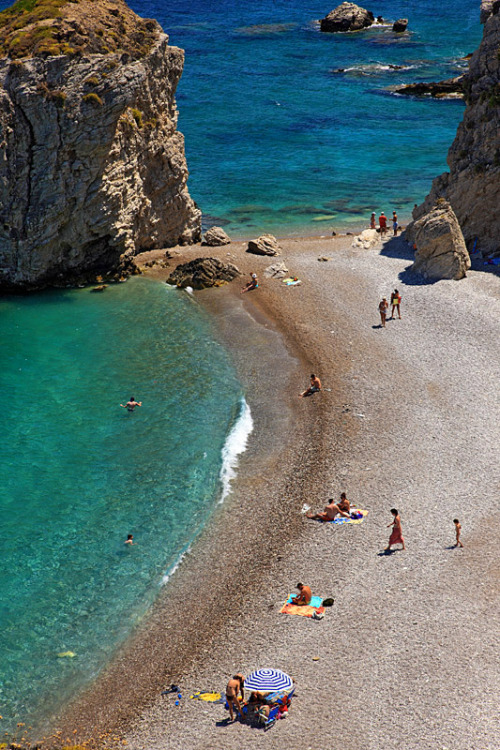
pixel 441 252
pixel 202 273
pixel 215 236
pixel 92 167
pixel 347 17
pixel 266 244
pixel 400 25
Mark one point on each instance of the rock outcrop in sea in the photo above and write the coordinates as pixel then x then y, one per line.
pixel 472 186
pixel 92 166
pixel 347 17
pixel 202 273
pixel 441 252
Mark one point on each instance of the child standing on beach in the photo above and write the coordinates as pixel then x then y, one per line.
pixel 458 529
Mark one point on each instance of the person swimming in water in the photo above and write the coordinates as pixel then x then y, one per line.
pixel 130 405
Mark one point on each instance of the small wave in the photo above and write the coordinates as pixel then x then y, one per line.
pixel 235 444
pixel 175 565
pixel 371 69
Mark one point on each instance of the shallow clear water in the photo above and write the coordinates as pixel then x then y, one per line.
pixel 276 141
pixel 79 473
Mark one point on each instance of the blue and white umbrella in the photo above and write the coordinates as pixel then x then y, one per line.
pixel 268 680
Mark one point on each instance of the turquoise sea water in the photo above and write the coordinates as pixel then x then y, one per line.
pixel 275 139
pixel 79 473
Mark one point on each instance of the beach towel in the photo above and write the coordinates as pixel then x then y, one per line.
pixel 340 520
pixel 291 281
pixel 305 610
pixel 208 697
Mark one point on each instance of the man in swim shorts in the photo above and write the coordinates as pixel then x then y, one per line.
pixel 332 510
pixel 382 220
pixel 130 405
pixel 304 597
pixel 313 388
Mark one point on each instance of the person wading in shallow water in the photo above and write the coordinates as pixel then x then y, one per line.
pixel 397 533
pixel 130 405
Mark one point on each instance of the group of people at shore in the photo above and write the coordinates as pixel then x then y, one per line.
pixel 382 222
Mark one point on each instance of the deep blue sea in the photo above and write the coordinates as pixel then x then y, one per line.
pixel 277 139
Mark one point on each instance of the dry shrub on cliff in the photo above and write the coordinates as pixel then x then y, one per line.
pixel 31 28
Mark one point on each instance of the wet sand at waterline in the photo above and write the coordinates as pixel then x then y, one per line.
pixel 408 653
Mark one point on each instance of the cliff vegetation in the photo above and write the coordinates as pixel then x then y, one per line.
pixel 37 28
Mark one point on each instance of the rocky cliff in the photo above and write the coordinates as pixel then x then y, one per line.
pixel 472 186
pixel 92 167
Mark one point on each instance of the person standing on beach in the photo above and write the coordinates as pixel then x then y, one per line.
pixel 382 220
pixel 382 308
pixel 233 689
pixel 396 302
pixel 304 597
pixel 130 405
pixel 397 533
pixel 458 529
pixel 373 221
pixel 313 388
pixel 395 223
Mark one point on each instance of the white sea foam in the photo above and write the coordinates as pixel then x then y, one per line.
pixel 174 567
pixel 235 444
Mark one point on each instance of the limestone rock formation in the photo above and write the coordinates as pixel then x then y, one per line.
pixel 264 245
pixel 202 273
pixel 347 17
pixel 400 25
pixel 367 239
pixel 441 252
pixel 472 185
pixel 216 236
pixel 277 270
pixel 92 167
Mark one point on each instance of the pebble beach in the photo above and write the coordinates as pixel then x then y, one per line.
pixel 408 418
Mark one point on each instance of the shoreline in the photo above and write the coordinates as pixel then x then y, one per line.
pixel 348 440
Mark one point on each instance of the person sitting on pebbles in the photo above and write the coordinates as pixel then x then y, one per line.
pixel 313 388
pixel 304 596
pixel 333 509
pixel 253 284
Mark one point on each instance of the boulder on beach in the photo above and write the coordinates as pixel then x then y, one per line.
pixel 266 244
pixel 400 25
pixel 347 17
pixel 367 239
pixel 277 270
pixel 216 236
pixel 441 252
pixel 202 273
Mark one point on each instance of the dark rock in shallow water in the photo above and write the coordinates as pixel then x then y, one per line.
pixel 437 89
pixel 202 273
pixel 400 25
pixel 347 17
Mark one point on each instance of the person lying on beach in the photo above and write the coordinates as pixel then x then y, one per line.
pixel 313 388
pixel 332 510
pixel 252 285
pixel 233 689
pixel 130 405
pixel 303 597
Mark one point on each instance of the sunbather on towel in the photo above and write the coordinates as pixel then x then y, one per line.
pixel 304 597
pixel 333 509
pixel 233 689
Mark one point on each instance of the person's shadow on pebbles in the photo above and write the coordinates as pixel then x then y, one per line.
pixel 388 552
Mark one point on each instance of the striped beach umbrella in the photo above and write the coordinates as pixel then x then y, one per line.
pixel 268 680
